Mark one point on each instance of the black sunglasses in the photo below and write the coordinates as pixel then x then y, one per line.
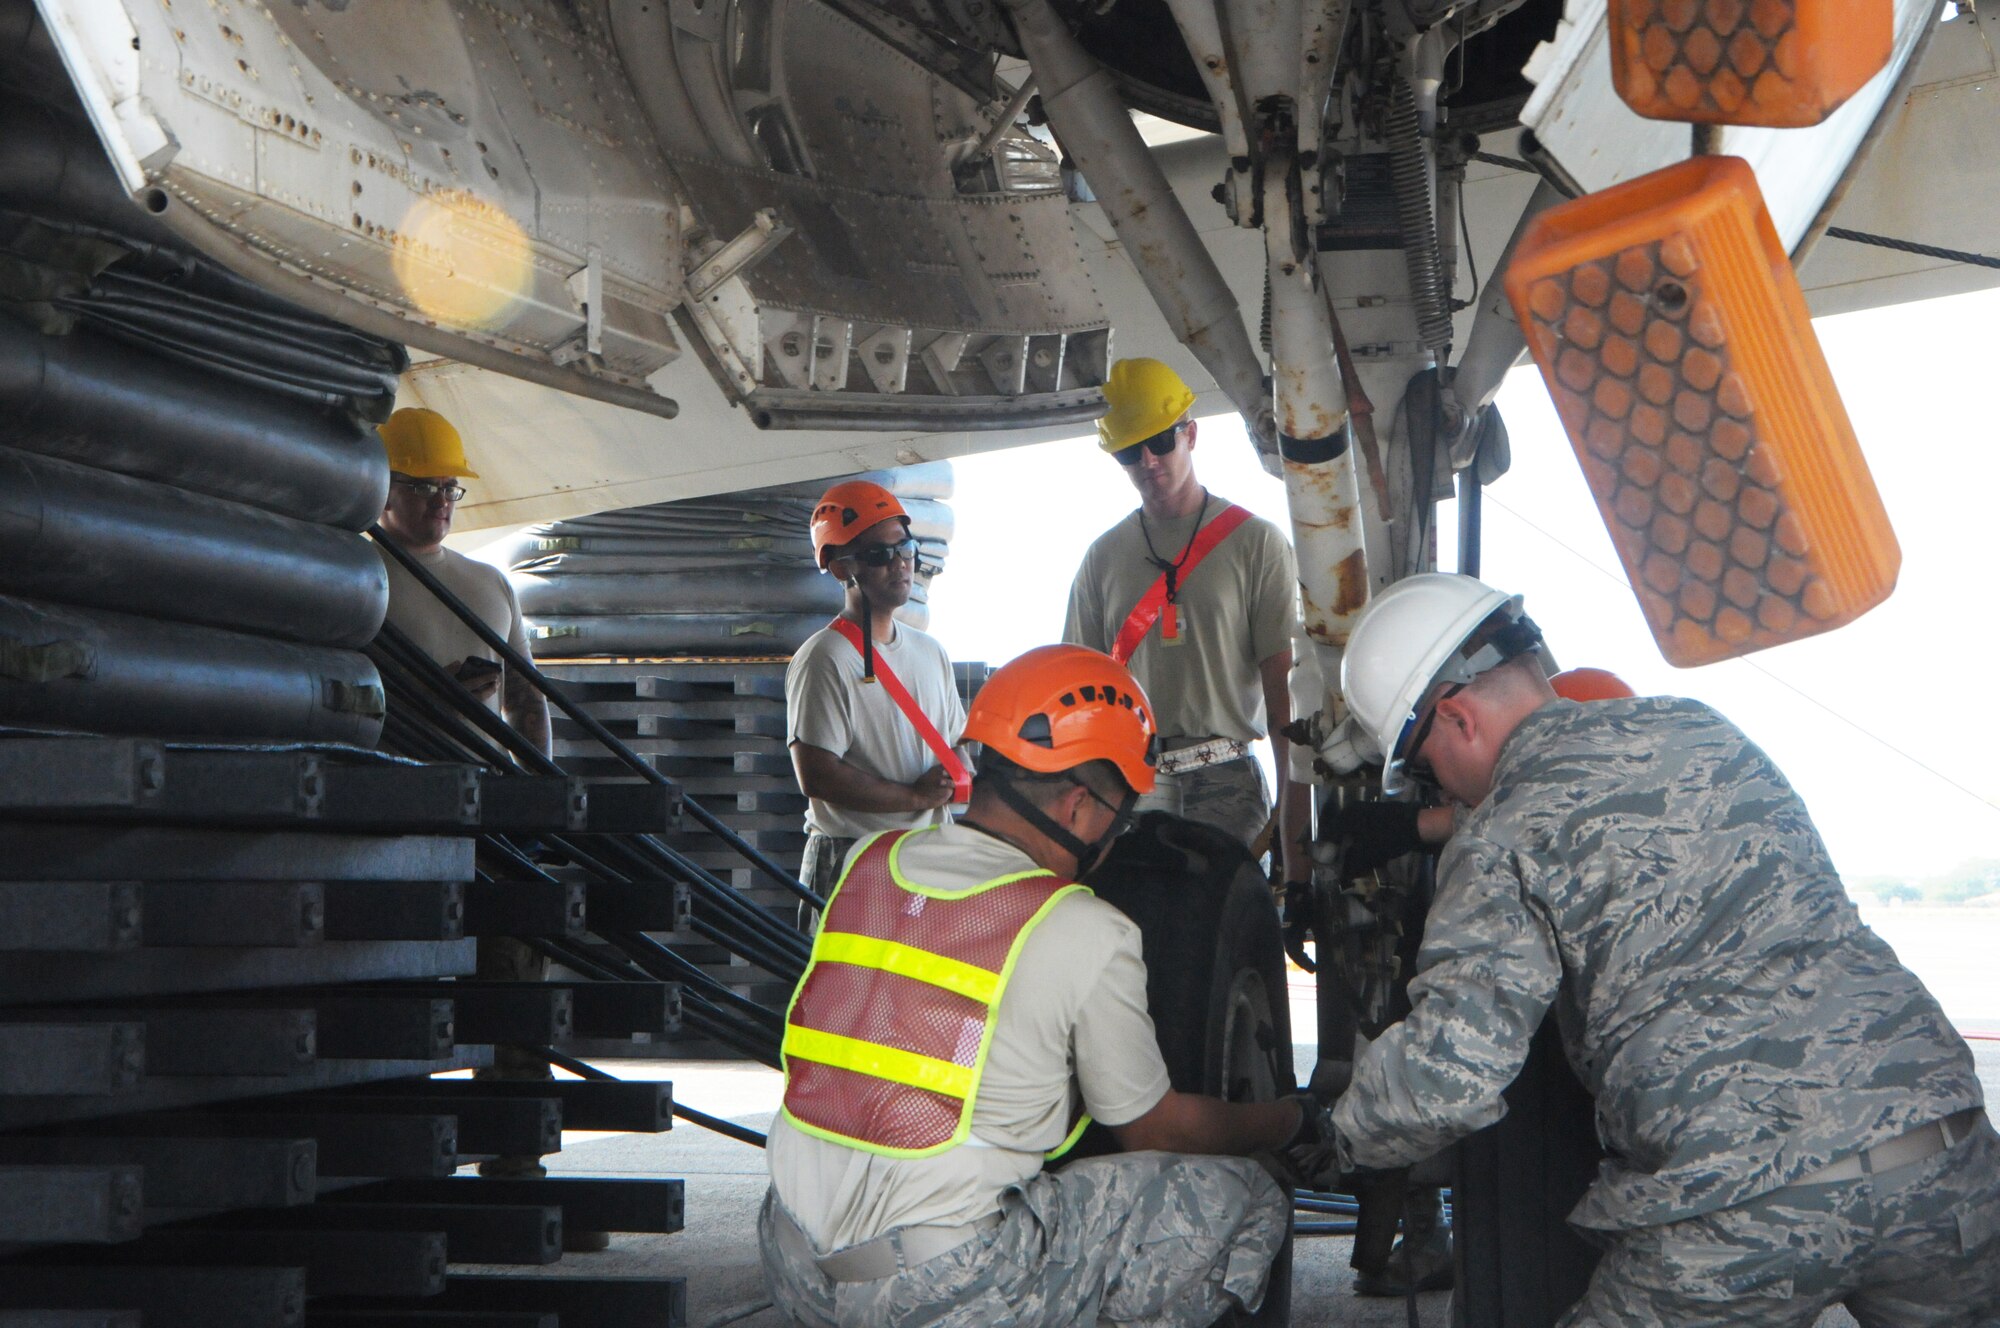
pixel 881 555
pixel 1160 444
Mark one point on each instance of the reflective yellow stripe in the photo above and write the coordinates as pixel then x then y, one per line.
pixel 1076 1133
pixel 968 980
pixel 879 1061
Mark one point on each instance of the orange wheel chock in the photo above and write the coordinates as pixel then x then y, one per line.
pixel 1781 64
pixel 1672 334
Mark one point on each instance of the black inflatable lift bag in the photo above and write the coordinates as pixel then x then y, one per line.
pixel 664 635
pixel 116 673
pixel 651 565
pixel 769 590
pixel 540 542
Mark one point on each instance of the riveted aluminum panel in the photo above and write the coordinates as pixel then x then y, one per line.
pixel 454 169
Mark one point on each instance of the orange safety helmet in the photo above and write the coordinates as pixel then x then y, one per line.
pixel 846 510
pixel 1590 685
pixel 1059 707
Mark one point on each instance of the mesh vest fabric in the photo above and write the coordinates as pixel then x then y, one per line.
pixel 888 1032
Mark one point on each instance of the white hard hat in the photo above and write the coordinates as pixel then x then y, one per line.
pixel 1409 638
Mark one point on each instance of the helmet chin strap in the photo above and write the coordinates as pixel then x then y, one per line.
pixel 1086 854
pixel 867 631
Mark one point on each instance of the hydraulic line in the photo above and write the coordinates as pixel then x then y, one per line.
pixel 1410 178
pixel 525 667
pixel 645 854
pixel 585 1070
pixel 753 933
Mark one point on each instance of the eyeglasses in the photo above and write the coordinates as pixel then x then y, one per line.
pixel 1160 444
pixel 881 555
pixel 432 488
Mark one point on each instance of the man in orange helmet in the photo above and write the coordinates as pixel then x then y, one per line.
pixel 967 1003
pixel 872 711
pixel 1198 597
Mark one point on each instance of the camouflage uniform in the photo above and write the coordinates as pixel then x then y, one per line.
pixel 819 871
pixel 1910 1248
pixel 1229 796
pixel 1643 866
pixel 1142 1238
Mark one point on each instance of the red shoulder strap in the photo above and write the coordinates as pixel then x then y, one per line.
pixel 961 778
pixel 1147 611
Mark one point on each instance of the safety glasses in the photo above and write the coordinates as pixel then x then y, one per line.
pixel 1414 733
pixel 432 488
pixel 1122 814
pixel 881 555
pixel 1160 444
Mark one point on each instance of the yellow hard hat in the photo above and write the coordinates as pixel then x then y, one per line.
pixel 423 445
pixel 1146 397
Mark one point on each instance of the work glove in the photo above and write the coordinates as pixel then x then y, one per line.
pixel 1298 923
pixel 1371 834
pixel 1308 1156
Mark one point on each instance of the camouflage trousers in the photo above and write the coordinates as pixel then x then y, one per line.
pixel 1155 1239
pixel 819 871
pixel 1230 796
pixel 1916 1247
pixel 505 959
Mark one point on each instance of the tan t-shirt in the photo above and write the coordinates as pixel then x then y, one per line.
pixel 435 629
pixel 1072 1025
pixel 827 705
pixel 1235 611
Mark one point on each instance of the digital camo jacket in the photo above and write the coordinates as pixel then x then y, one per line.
pixel 1642 865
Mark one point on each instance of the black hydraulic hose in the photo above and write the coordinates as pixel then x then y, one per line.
pixel 645 856
pixel 637 947
pixel 428 675
pixel 641 947
pixel 773 930
pixel 585 1070
pixel 763 1052
pixel 729 1129
pixel 420 673
pixel 769 930
pixel 573 958
pixel 515 660
pixel 753 941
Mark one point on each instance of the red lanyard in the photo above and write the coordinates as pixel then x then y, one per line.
pixel 961 778
pixel 1155 602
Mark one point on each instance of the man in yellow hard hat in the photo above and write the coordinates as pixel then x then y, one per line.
pixel 426 463
pixel 1197 597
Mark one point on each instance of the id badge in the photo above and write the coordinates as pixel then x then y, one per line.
pixel 1170 625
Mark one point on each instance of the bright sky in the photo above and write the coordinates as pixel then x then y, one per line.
pixel 1883 726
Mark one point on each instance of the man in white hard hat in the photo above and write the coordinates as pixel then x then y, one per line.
pixel 1791 1120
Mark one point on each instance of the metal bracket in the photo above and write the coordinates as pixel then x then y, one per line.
pixel 586 287
pixel 765 231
